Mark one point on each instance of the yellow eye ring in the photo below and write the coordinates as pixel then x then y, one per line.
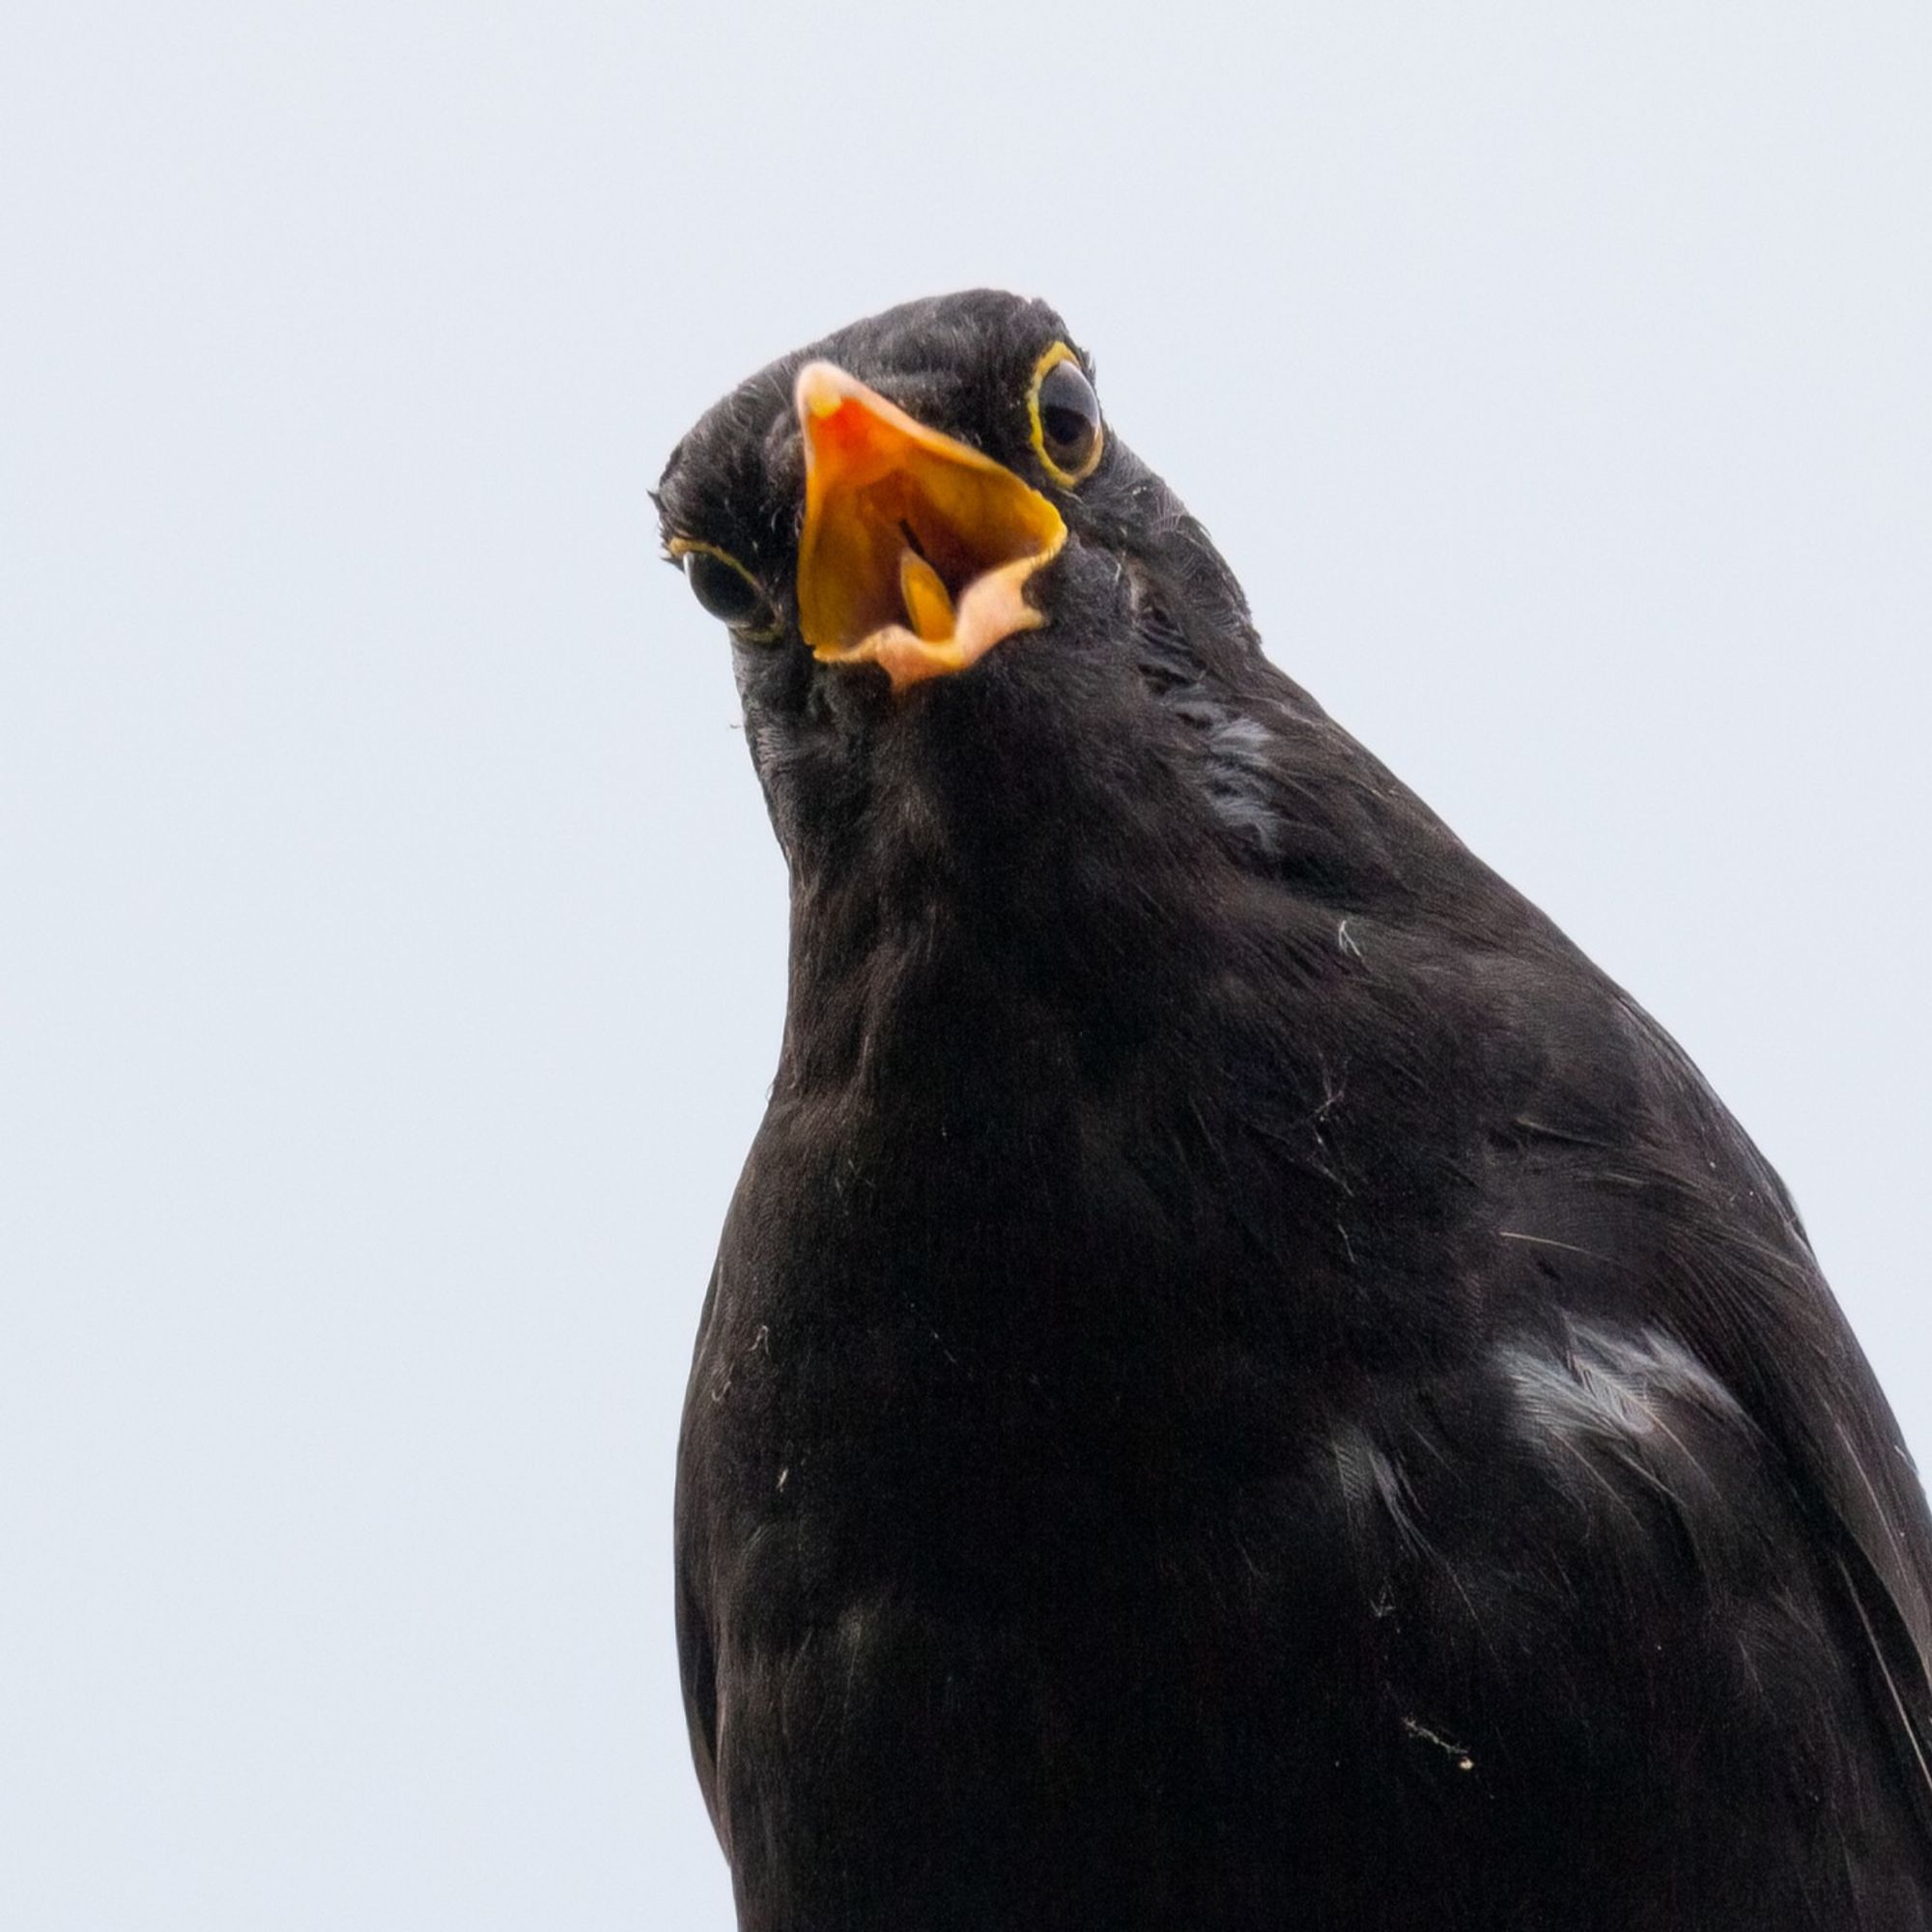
pixel 726 589
pixel 1063 419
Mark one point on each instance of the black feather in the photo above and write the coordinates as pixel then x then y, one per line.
pixel 1246 1385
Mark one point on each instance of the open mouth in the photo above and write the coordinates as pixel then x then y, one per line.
pixel 916 546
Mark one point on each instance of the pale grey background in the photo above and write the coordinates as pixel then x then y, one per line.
pixel 392 945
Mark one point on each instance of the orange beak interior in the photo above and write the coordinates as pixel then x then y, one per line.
pixel 916 546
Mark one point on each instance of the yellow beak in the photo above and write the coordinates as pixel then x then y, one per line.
pixel 915 546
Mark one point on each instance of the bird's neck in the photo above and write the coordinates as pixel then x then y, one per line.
pixel 986 945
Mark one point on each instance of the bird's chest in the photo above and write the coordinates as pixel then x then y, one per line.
pixel 1008 1505
pixel 989 1435
pixel 1003 1640
pixel 962 1356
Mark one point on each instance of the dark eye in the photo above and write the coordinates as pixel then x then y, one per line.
pixel 726 589
pixel 1066 418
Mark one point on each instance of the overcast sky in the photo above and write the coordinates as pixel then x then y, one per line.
pixel 392 950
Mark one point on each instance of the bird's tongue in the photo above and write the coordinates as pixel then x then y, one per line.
pixel 916 546
pixel 928 604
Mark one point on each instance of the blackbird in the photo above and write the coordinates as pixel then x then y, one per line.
pixel 1246 1385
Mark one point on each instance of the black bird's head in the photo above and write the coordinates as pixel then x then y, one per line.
pixel 959 606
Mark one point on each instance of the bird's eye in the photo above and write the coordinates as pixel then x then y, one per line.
pixel 726 589
pixel 1067 428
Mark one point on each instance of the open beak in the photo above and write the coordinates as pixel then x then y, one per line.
pixel 916 548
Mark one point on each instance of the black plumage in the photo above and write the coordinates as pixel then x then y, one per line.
pixel 1246 1385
